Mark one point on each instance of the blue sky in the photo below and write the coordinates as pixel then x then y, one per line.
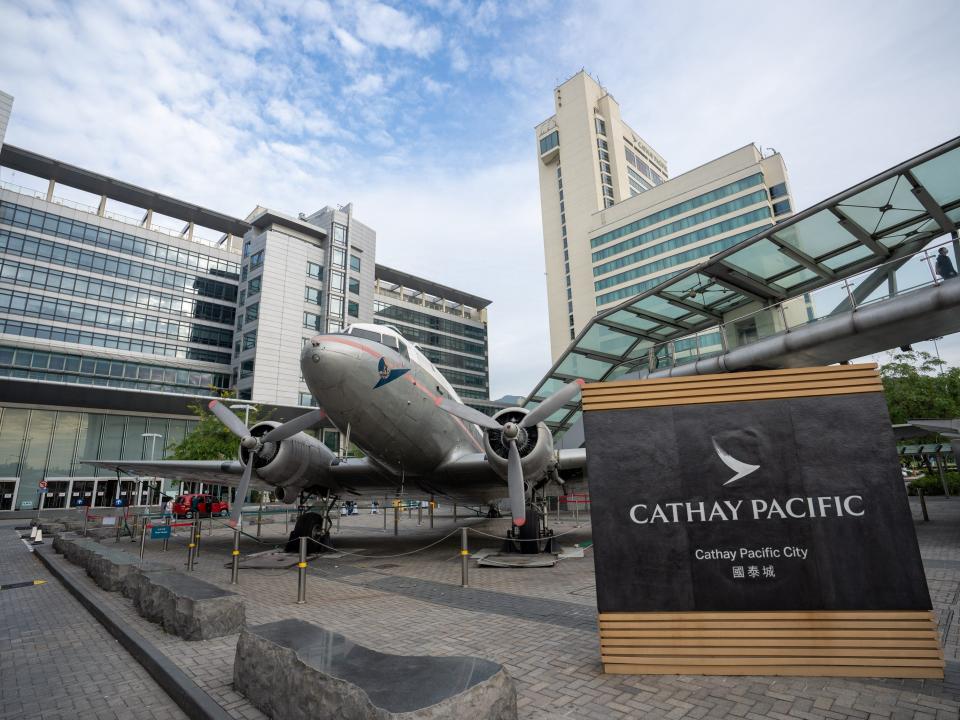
pixel 423 114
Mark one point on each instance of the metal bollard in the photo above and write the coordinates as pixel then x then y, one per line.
pixel 259 519
pixel 166 540
pixel 432 504
pixel 302 572
pixel 235 567
pixel 191 546
pixel 197 529
pixel 396 519
pixel 420 514
pixel 384 516
pixel 454 513
pixel 86 516
pixel 143 538
pixel 464 559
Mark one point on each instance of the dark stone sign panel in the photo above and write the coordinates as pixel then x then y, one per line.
pixel 789 504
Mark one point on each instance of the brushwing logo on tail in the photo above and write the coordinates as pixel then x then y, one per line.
pixel 741 468
pixel 388 374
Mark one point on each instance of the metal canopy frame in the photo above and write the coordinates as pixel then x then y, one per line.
pixel 889 216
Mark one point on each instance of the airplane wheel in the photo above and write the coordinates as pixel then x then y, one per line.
pixel 309 525
pixel 529 532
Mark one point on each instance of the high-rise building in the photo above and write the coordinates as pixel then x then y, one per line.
pixel 614 224
pixel 449 326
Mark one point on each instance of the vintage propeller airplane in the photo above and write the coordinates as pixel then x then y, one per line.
pixel 388 399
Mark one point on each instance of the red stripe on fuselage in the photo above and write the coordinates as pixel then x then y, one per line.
pixel 408 376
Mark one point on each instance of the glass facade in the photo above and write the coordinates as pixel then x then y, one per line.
pixel 49 444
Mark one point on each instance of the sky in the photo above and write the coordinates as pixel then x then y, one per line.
pixel 423 114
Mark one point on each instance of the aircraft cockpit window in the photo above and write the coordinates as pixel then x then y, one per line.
pixel 366 334
pixel 391 342
pixel 403 350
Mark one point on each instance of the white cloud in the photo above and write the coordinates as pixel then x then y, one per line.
pixel 433 87
pixel 368 85
pixel 348 42
pixel 387 27
pixel 458 58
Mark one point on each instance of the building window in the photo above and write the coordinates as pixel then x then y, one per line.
pixel 315 270
pixel 601 126
pixel 250 340
pixel 253 287
pixel 778 190
pixel 339 235
pixel 313 296
pixel 243 297
pixel 779 208
pixel 253 312
pixel 355 263
pixel 354 286
pixel 312 321
pixel 246 368
pixel 602 144
pixel 339 258
pixel 549 142
pixel 307 400
pixel 336 280
pixel 336 306
pixel 353 309
pixel 256 260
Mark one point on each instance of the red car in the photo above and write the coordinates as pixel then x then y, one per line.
pixel 199 505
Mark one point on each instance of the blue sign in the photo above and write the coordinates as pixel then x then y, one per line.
pixel 79 502
pixel 160 532
pixel 43 489
pixel 118 502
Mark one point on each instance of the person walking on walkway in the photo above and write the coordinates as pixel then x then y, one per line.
pixel 945 268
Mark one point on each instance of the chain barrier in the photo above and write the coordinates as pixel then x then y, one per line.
pixel 377 557
pixel 503 537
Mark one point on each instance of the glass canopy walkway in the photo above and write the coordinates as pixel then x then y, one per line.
pixel 866 245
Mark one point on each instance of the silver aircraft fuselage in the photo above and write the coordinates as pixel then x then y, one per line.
pixel 388 400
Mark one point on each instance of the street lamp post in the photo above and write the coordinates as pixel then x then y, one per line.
pixel 153 446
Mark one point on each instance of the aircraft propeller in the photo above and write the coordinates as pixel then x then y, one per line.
pixel 254 444
pixel 510 431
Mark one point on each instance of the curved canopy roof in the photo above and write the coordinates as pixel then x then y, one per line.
pixel 889 216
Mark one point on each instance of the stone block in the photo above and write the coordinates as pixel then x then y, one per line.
pixel 294 670
pixel 187 606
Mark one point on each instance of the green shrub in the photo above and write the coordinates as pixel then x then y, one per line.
pixel 931 485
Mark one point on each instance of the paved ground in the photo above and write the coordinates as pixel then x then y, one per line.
pixel 540 623
pixel 55 660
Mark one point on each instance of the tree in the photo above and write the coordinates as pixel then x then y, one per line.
pixel 918 385
pixel 210 439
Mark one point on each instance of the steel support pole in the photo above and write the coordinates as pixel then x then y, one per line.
pixel 943 477
pixel 197 529
pixel 166 540
pixel 420 514
pixel 302 572
pixel 384 516
pixel 259 519
pixel 235 559
pixel 464 559
pixel 923 505
pixel 454 513
pixel 396 519
pixel 432 505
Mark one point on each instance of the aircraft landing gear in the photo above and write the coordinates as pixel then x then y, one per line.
pixel 493 511
pixel 533 536
pixel 316 525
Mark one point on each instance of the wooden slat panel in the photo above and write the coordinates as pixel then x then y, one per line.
pixel 733 387
pixel 791 670
pixel 926 642
pixel 771 615
pixel 835 643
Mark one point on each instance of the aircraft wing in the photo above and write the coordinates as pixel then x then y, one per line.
pixel 219 472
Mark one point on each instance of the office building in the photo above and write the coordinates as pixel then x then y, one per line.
pixel 449 325
pixel 615 223
pixel 120 311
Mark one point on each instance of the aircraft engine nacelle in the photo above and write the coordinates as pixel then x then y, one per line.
pixel 290 465
pixel 534 443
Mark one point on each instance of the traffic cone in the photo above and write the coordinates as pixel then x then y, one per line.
pixel 39 539
pixel 33 531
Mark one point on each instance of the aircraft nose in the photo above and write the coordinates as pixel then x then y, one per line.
pixel 325 363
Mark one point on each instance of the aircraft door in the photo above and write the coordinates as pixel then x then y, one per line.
pixel 8 493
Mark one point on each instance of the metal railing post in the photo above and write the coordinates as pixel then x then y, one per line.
pixel 197 529
pixel 143 539
pixel 432 505
pixel 235 559
pixel 86 516
pixel 259 519
pixel 923 505
pixel 396 519
pixel 302 572
pixel 419 513
pixel 464 559
pixel 166 540
pixel 454 513
pixel 933 273
pixel 384 516
pixel 191 546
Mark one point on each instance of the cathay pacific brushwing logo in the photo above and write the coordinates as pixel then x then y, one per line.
pixel 741 468
pixel 388 374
